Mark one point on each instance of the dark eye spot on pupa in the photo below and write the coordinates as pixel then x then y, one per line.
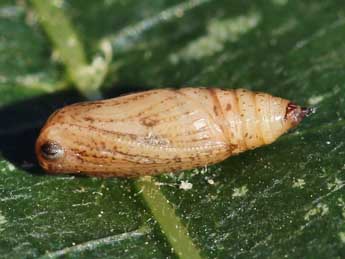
pixel 51 150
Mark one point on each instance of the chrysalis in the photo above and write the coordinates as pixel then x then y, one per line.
pixel 162 130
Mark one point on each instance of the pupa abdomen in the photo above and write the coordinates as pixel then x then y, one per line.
pixel 161 131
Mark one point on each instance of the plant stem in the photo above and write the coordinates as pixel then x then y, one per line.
pixel 66 44
pixel 88 79
pixel 169 222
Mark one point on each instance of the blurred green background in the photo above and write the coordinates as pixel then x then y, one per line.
pixel 283 200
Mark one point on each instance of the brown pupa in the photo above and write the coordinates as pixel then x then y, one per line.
pixel 161 130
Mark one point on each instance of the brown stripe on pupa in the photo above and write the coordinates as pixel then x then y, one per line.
pixel 219 113
pixel 149 122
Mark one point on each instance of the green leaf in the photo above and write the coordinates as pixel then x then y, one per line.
pixel 283 200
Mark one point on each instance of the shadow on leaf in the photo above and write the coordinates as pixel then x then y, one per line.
pixel 21 123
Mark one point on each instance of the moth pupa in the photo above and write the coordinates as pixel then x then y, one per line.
pixel 162 130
